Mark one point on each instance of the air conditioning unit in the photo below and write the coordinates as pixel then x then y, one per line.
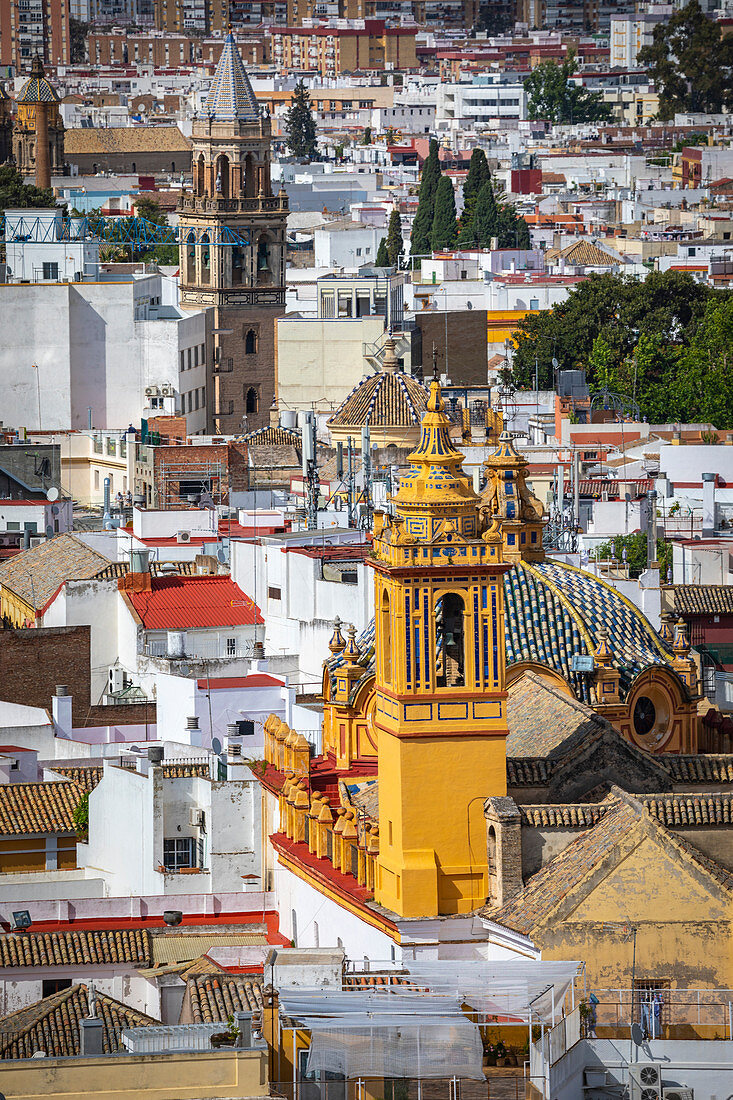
pixel 645 1080
pixel 183 536
pixel 115 681
pixel 196 818
pixel 151 391
pixel 166 390
pixel 678 1092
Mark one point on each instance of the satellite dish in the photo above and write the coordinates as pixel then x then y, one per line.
pixel 555 362
pixel 221 556
pixel 49 531
pixel 184 669
pixel 637 1034
pixel 55 509
pixel 469 305
pixel 215 745
pixel 52 493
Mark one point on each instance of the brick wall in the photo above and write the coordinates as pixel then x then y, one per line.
pixel 33 662
pixel 467 342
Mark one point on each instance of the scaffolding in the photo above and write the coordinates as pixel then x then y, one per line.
pixel 210 479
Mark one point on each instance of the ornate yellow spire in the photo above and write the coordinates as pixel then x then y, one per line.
pixel 508 499
pixel 338 642
pixel 435 497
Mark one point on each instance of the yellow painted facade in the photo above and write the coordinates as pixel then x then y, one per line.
pixel 439 703
pixel 173 1077
pixel 14 609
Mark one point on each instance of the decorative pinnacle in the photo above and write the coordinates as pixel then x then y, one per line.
pixel 436 376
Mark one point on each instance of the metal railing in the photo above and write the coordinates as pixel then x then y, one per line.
pixel 704 1007
pixel 500 1084
pixel 200 649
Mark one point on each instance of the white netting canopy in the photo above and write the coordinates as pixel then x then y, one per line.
pixel 427 1026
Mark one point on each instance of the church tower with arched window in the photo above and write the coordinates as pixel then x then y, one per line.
pixel 232 254
pixel 440 707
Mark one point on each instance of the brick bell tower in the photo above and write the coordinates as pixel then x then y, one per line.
pixel 244 282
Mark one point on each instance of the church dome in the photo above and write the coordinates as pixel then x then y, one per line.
pixel 392 403
pixel 38 89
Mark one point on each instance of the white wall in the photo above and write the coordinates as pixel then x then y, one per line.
pixel 90 351
pixel 95 604
pixel 346 247
pixel 124 857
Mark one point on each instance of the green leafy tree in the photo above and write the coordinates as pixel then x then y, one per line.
pixel 367 138
pixel 395 246
pixel 669 304
pixel 422 226
pixel 636 552
pixel 444 232
pixel 389 135
pixel 478 175
pixel 552 95
pixel 150 210
pixel 300 126
pixel 513 230
pixel 690 63
pixel 485 219
pixel 14 194
pixel 383 254
pixel 78 33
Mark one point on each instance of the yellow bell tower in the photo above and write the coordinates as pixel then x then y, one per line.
pixel 440 706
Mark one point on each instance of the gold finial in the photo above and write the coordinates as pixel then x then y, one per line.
pixel 436 376
pixel 338 642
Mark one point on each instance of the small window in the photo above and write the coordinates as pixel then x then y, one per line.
pixel 50 271
pixel 179 851
pixel 250 342
pixel 274 593
pixel 32 527
pixel 13 525
pixel 534 303
pixel 96 479
pixel 252 400
pixel 231 647
pixel 50 986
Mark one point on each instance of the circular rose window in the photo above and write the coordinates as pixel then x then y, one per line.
pixel 651 718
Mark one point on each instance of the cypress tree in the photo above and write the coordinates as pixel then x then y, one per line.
pixel 478 175
pixel 394 239
pixel 420 241
pixel 485 217
pixel 382 254
pixel 300 126
pixel 444 231
pixel 513 231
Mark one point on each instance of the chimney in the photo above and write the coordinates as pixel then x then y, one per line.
pixel 193 733
pixel 91 1033
pixel 139 577
pixel 61 704
pixel 709 507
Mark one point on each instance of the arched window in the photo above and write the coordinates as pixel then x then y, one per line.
pixel 449 641
pixel 264 275
pixel 250 342
pixel 200 175
pixel 491 852
pixel 191 257
pixel 205 259
pixel 386 633
pixel 250 189
pixel 252 400
pixel 173 166
pixel 237 265
pixel 134 166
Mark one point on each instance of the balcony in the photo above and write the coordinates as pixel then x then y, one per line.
pixel 201 648
pixel 202 205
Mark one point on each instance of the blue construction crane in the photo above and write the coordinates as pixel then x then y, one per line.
pixel 137 232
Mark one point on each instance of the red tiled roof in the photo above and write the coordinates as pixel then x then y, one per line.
pixel 184 603
pixel 254 680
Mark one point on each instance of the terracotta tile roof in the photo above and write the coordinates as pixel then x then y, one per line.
pixel 674 811
pixel 678 810
pixel 126 139
pixel 214 997
pixel 581 816
pixel 385 399
pixel 586 254
pixel 85 777
pixel 75 948
pixel 528 772
pixel 36 574
pixel 703 599
pixel 88 777
pixel 52 1025
pixel 180 603
pixel 698 768
pixel 274 437
pixel 553 881
pixel 544 721
pixel 230 95
pixel 38 807
pixel 370 980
